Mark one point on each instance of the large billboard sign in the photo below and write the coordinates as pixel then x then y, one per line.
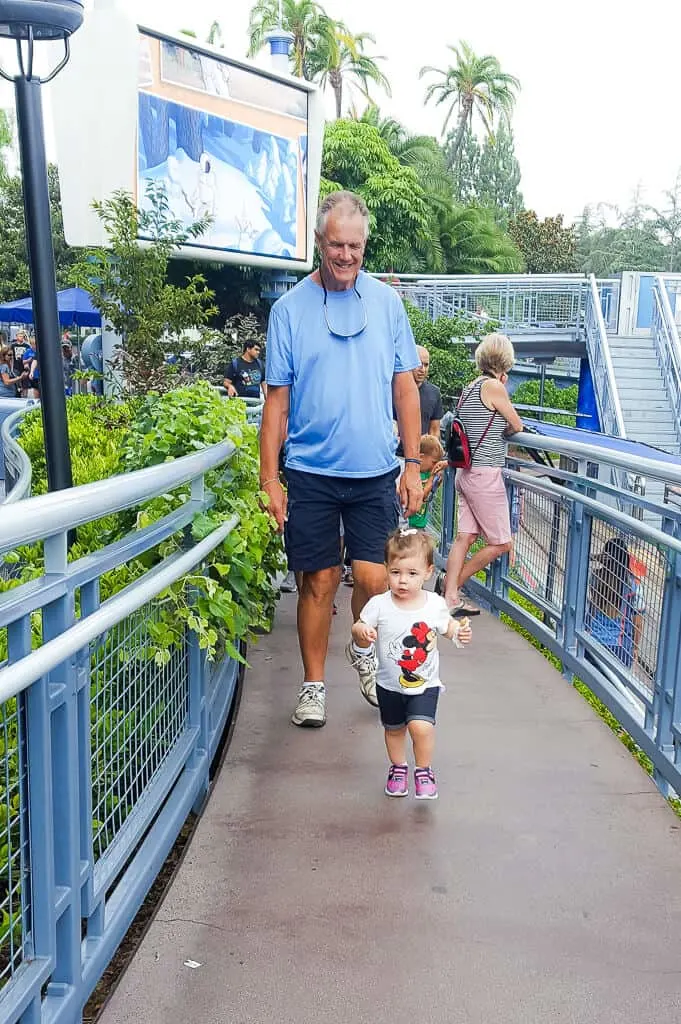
pixel 230 142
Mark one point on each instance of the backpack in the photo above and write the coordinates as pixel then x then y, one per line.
pixel 459 451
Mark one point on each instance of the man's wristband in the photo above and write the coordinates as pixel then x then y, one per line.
pixel 272 480
pixel 417 462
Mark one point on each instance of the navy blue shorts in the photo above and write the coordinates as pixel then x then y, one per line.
pixel 368 508
pixel 397 709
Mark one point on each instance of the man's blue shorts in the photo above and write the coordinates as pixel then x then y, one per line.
pixel 369 509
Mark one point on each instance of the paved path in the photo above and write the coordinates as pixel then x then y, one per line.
pixel 544 886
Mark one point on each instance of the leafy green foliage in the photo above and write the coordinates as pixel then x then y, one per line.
pixel 546 246
pixel 357 158
pixel 490 177
pixel 414 224
pixel 235 594
pixel 216 349
pixel 554 398
pixel 129 285
pixel 472 243
pixel 451 366
pixel 14 274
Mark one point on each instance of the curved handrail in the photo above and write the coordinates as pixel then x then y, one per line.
pixel 16 459
pixel 50 514
pixel 21 674
pixel 655 468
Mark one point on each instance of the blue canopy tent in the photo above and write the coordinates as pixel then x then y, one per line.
pixel 75 309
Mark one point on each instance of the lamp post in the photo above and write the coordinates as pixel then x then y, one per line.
pixel 28 22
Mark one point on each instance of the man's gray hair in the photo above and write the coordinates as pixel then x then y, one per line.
pixel 349 201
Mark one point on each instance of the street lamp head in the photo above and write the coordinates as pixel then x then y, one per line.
pixel 40 19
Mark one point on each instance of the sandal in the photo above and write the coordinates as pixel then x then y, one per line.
pixel 463 610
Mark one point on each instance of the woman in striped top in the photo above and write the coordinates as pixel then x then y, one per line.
pixel 489 418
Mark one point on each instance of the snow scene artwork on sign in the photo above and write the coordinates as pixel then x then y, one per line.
pixel 227 143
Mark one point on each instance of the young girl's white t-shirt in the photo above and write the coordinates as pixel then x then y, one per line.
pixel 408 660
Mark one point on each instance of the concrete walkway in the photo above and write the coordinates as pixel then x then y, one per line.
pixel 544 885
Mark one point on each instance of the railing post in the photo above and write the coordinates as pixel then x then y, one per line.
pixel 448 499
pixel 62 696
pixel 576 571
pixel 667 700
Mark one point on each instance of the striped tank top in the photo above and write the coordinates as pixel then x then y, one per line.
pixel 475 416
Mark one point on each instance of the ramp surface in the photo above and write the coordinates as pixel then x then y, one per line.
pixel 544 885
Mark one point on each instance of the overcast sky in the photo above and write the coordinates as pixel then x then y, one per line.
pixel 600 81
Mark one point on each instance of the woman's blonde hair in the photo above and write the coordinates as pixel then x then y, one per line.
pixel 495 354
pixel 6 354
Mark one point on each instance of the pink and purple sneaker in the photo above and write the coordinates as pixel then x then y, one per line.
pixel 398 780
pixel 425 785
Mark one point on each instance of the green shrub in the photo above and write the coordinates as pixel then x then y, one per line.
pixel 451 363
pixel 234 595
pixel 554 398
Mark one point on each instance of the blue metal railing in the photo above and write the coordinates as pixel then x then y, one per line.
pixel 666 337
pixel 562 521
pixel 104 748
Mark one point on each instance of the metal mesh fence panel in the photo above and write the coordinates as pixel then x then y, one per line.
pixel 624 600
pixel 540 527
pixel 139 709
pixel 15 887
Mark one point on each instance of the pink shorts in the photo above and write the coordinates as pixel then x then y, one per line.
pixel 483 504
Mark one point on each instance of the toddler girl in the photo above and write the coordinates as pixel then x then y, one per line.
pixel 404 623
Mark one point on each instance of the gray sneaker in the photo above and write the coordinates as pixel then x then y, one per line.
pixel 365 665
pixel 310 710
pixel 288 584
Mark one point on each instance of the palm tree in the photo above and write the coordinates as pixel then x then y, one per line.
pixel 302 18
pixel 421 152
pixel 215 36
pixel 473 243
pixel 473 86
pixel 338 58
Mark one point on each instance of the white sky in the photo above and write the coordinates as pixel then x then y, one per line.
pixel 596 115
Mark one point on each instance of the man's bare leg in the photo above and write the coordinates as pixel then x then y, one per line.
pixel 370 579
pixel 315 606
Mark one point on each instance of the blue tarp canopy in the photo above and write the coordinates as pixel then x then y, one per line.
pixel 75 308
pixel 614 444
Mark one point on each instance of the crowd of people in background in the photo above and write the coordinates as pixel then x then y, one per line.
pixel 20 365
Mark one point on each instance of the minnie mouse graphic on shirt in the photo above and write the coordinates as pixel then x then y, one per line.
pixel 411 652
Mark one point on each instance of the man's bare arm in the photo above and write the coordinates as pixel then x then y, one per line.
pixel 408 409
pixel 273 431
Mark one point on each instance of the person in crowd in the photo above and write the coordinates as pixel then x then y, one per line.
pixel 10 381
pixel 430 399
pixel 69 364
pixel 340 352
pixel 32 368
pixel 245 377
pixel 433 465
pixel 402 625
pixel 486 412
pixel 616 602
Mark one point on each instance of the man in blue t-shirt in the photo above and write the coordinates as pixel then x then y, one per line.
pixel 340 351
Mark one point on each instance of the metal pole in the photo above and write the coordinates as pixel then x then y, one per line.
pixel 43 284
pixel 542 386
